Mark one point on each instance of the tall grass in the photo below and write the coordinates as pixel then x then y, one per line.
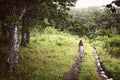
pixel 48 56
pixel 110 63
pixel 88 69
pixel 113 45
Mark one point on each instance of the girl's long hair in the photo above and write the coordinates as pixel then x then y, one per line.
pixel 80 43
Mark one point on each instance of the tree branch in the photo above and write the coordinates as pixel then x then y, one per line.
pixel 24 10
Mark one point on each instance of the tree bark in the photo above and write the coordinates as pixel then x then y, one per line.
pixel 23 39
pixel 13 30
pixel 13 47
pixel 25 32
pixel 28 37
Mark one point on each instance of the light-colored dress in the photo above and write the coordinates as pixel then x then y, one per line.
pixel 81 49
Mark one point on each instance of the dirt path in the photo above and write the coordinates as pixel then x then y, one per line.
pixel 73 74
pixel 89 69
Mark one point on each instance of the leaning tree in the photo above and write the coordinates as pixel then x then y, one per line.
pixel 12 13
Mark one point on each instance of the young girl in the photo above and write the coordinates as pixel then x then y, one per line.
pixel 81 49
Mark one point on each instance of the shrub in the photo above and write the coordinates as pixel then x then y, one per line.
pixel 50 30
pixel 113 45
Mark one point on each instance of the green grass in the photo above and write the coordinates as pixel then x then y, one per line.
pixel 113 45
pixel 47 57
pixel 88 66
pixel 110 63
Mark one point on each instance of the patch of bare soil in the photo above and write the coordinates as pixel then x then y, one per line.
pixel 73 74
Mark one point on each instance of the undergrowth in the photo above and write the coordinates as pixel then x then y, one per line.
pixel 48 56
pixel 109 60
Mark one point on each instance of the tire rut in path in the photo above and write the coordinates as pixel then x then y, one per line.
pixel 73 74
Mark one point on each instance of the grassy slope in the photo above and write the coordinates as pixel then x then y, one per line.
pixel 109 63
pixel 46 58
pixel 49 55
pixel 88 66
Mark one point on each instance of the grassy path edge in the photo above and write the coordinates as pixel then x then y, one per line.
pixel 73 74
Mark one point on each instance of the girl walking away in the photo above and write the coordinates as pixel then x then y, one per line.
pixel 81 49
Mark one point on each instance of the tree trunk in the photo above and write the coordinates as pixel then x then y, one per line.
pixel 13 31
pixel 23 39
pixel 28 37
pixel 25 32
pixel 13 47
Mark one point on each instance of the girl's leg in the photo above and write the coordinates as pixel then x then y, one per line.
pixel 83 54
pixel 80 55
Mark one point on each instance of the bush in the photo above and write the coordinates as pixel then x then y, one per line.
pixel 114 41
pixel 113 45
pixel 50 30
pixel 106 49
pixel 115 51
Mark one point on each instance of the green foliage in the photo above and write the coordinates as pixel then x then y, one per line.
pixel 11 20
pixel 95 21
pixel 111 67
pixel 88 68
pixel 108 54
pixel 114 41
pixel 86 19
pixel 50 30
pixel 113 45
pixel 48 57
pixel 42 13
